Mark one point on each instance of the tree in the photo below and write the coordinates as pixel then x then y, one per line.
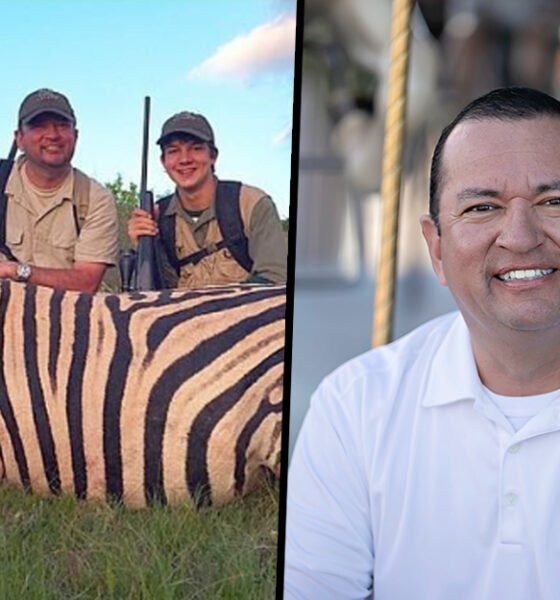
pixel 123 196
pixel 126 200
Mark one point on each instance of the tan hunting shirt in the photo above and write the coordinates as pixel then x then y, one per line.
pixel 41 226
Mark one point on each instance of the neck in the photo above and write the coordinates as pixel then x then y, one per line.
pixel 46 178
pixel 198 198
pixel 526 364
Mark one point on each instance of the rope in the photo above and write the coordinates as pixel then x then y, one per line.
pixel 391 175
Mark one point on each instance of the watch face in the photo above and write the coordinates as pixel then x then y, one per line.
pixel 23 272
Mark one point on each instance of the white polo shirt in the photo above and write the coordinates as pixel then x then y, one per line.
pixel 408 481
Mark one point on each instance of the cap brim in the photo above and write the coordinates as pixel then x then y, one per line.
pixel 41 111
pixel 195 134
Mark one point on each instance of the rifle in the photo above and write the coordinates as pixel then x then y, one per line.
pixel 141 266
pixel 5 170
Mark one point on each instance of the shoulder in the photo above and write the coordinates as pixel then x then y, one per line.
pixel 167 205
pixel 374 380
pixel 256 206
pixel 14 185
pixel 250 191
pixel 96 189
pixel 250 195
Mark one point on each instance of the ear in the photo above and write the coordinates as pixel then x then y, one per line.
pixel 17 137
pixel 433 240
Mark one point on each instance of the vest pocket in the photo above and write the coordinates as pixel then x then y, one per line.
pixel 227 269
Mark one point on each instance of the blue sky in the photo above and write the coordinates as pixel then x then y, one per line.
pixel 231 60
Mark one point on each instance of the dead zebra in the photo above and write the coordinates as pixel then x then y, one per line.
pixel 155 396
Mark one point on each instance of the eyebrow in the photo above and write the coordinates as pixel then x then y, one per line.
pixel 549 187
pixel 472 193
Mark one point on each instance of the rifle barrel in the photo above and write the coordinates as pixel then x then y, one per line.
pixel 145 143
pixel 147 274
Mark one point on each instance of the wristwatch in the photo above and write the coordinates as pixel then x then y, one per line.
pixel 23 272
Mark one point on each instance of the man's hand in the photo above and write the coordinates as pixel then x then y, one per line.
pixel 8 269
pixel 141 223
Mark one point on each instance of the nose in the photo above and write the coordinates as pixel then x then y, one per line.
pixel 51 130
pixel 521 230
pixel 185 155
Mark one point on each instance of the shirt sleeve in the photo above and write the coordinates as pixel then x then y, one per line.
pixel 99 237
pixel 329 540
pixel 268 245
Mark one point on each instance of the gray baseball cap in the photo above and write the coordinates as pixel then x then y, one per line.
pixel 42 101
pixel 189 123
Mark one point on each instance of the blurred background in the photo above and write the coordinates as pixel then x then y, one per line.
pixel 460 49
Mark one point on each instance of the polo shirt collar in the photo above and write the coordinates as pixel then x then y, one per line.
pixel 453 375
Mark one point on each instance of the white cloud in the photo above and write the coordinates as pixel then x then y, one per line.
pixel 283 136
pixel 266 48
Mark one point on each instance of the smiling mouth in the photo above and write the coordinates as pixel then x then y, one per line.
pixel 525 274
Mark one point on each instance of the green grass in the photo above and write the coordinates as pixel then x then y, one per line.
pixel 58 548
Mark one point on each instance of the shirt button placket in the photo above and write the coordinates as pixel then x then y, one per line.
pixel 511 514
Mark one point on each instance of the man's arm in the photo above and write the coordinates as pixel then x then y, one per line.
pixel 329 540
pixel 82 277
pixel 96 249
pixel 268 246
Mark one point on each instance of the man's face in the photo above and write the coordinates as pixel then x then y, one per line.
pixel 499 250
pixel 188 163
pixel 48 141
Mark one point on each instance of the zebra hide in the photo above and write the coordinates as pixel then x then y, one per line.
pixel 146 397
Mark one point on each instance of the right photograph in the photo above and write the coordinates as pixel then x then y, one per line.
pixel 424 450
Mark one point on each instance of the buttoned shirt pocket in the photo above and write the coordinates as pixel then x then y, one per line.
pixel 62 241
pixel 63 238
pixel 15 241
pixel 14 236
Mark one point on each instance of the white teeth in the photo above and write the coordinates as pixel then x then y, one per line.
pixel 526 274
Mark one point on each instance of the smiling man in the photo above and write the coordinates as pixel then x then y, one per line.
pixel 210 231
pixel 61 225
pixel 429 468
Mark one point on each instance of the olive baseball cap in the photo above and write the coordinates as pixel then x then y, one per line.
pixel 42 101
pixel 189 123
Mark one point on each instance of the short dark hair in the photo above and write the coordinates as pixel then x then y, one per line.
pixel 502 104
pixel 187 137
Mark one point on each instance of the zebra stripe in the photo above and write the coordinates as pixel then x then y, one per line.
pixel 144 397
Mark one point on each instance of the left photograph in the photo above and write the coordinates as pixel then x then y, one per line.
pixel 144 204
